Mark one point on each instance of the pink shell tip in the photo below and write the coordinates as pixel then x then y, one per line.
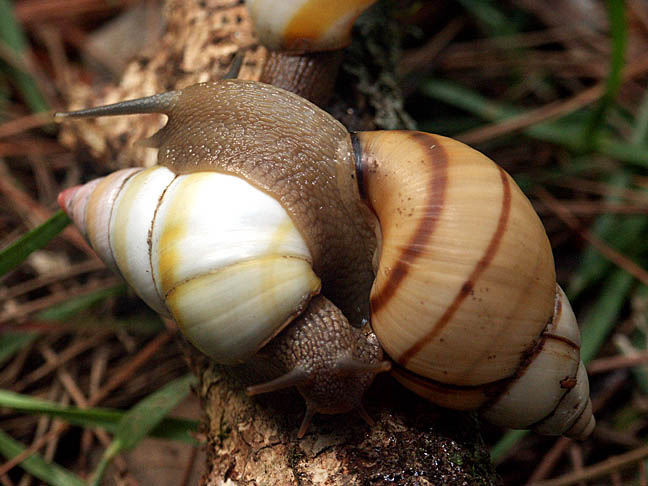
pixel 65 197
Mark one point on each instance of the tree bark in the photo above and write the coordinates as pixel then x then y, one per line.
pixel 253 440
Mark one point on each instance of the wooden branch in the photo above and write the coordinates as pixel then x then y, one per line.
pixel 254 440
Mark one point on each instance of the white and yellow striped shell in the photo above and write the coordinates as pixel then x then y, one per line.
pixel 231 280
pixel 305 25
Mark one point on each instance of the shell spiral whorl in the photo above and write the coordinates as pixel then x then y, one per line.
pixel 465 284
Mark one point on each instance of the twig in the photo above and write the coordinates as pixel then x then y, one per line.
pixel 186 476
pixel 37 213
pixel 576 455
pixel 121 375
pixel 600 469
pixel 48 10
pixel 54 432
pixel 97 372
pixel 606 250
pixel 70 352
pixel 602 365
pixel 56 298
pixel 79 398
pixel 549 460
pixel 422 57
pixel 600 188
pixel 551 110
pixel 22 124
pixel 643 481
pixel 43 280
pixel 138 360
pixel 598 207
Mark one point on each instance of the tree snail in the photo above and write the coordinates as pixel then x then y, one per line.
pixel 305 38
pixel 284 206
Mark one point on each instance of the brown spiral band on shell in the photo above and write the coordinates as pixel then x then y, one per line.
pixel 455 230
pixel 524 365
pixel 436 193
pixel 565 340
pixel 482 396
pixel 485 389
pixel 469 284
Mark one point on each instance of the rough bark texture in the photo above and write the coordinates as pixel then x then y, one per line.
pixel 253 441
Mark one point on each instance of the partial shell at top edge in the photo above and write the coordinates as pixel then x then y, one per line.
pixel 305 25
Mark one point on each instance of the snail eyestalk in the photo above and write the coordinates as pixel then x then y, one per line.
pixel 159 103
pixel 294 377
pixel 331 363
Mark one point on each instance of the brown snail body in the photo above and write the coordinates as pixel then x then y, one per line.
pixel 464 300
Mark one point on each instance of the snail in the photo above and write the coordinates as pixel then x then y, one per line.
pixel 267 227
pixel 305 39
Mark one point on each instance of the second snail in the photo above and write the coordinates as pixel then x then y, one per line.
pixel 308 235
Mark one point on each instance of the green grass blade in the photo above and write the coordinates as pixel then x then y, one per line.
pixel 453 94
pixel 640 130
pixel 592 264
pixel 12 342
pixel 48 472
pixel 621 234
pixel 603 315
pixel 623 151
pixel 142 418
pixel 638 341
pixel 11 35
pixel 15 253
pixel 564 132
pixel 147 413
pixel 619 39
pixel 466 99
pixel 506 443
pixel 145 323
pixel 490 18
pixel 109 419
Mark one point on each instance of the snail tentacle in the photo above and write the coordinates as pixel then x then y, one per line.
pixel 158 103
pixel 331 363
pixel 308 418
pixel 294 377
